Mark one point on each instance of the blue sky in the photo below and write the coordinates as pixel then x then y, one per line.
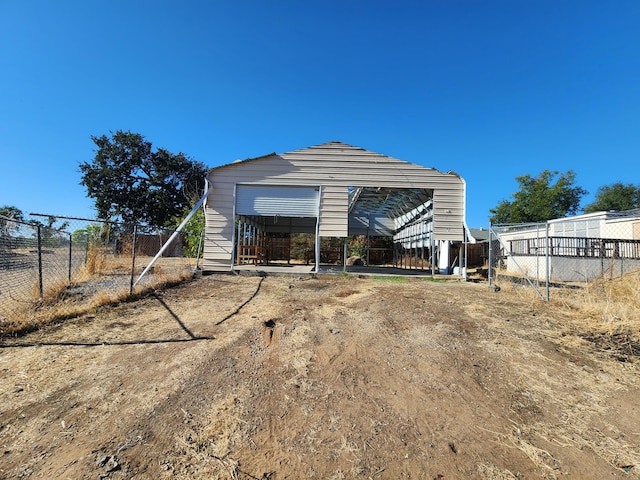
pixel 487 89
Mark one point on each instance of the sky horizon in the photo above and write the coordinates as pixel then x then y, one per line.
pixel 490 90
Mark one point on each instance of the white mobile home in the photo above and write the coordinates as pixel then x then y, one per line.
pixel 579 248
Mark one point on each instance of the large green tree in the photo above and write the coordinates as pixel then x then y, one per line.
pixel 132 182
pixel 617 196
pixel 549 195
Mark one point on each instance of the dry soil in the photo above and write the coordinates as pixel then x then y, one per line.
pixel 336 377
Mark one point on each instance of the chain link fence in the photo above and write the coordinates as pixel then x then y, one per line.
pixel 565 252
pixel 52 267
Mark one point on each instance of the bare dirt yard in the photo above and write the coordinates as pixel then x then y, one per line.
pixel 335 377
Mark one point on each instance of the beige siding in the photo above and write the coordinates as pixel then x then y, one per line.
pixel 334 167
pixel 219 228
pixel 334 206
pixel 448 214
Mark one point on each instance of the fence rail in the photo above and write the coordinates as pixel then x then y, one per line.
pixel 577 247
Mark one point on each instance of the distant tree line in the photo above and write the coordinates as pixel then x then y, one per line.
pixel 16 216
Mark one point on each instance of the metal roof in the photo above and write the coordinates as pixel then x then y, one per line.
pixel 391 202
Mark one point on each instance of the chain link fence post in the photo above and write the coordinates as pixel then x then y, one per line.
pixel 70 258
pixel 133 257
pixel 39 247
pixel 490 259
pixel 547 257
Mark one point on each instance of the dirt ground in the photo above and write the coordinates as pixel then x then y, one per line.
pixel 336 377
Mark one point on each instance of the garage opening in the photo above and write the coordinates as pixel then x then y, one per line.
pixel 394 222
pixel 279 225
pixel 266 216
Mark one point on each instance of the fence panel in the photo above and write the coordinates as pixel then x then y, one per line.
pixel 71 265
pixel 506 261
pixel 18 265
pixel 567 252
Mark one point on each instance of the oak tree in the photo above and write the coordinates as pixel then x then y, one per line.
pixel 8 215
pixel 133 183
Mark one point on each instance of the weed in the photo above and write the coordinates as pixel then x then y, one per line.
pixel 390 279
pixel 434 280
pixel 95 259
pixel 607 305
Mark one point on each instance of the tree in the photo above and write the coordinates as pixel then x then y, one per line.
pixel 617 196
pixel 51 223
pixel 129 181
pixel 90 235
pixel 539 199
pixel 12 213
pixel 192 231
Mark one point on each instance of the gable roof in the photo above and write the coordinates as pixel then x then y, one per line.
pixel 329 150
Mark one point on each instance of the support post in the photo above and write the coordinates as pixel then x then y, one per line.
pixel 466 252
pixel 345 254
pixel 548 259
pixel 433 256
pixel 317 245
pixel 69 271
pixel 537 254
pixel 40 282
pixel 133 257
pixel 176 233
pixel 489 276
pixel 199 249
pixel 239 240
pixel 368 238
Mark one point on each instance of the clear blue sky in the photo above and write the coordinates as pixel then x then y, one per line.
pixel 488 89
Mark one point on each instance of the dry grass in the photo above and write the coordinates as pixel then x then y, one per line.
pixel 603 305
pixel 605 313
pixel 54 292
pixel 605 309
pixel 211 445
pixel 491 472
pixel 96 257
pixel 608 304
pixel 61 300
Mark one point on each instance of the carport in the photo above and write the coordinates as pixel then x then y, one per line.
pixel 336 191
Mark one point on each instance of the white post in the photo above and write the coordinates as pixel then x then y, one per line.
pixel 443 258
pixel 317 245
pixel 174 235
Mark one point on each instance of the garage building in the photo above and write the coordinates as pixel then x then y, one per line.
pixel 333 190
